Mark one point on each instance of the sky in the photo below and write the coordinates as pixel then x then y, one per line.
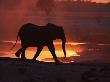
pixel 22 11
pixel 104 1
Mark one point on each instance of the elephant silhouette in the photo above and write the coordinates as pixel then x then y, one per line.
pixel 32 35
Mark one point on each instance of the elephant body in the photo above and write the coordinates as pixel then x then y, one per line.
pixel 32 35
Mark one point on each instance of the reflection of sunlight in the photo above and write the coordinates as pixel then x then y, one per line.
pixel 72 50
pixel 7 54
pixel 72 53
pixel 47 54
pixel 13 42
pixel 56 43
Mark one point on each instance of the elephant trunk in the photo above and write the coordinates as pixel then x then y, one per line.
pixel 63 46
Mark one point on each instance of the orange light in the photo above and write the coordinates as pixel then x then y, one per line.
pixel 47 54
pixel 71 50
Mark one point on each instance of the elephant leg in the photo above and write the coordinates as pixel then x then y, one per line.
pixel 18 52
pixel 52 50
pixel 39 49
pixel 23 53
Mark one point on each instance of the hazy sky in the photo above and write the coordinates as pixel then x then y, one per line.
pixel 102 0
pixel 14 13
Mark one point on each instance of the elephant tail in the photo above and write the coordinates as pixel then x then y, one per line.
pixel 15 42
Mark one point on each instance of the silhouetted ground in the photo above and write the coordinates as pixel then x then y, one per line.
pixel 16 70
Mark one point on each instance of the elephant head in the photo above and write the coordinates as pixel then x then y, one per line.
pixel 57 32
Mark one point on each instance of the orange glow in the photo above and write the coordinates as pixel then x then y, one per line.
pixel 101 1
pixel 47 54
pixel 56 43
pixel 71 49
pixel 98 1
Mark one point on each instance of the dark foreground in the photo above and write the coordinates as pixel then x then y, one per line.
pixel 15 70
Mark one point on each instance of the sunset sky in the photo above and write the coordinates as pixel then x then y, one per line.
pixel 104 1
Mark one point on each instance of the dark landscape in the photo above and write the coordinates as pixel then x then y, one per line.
pixel 16 70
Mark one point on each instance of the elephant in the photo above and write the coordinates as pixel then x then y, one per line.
pixel 32 35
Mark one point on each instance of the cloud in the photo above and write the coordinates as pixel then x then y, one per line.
pixel 9 4
pixel 45 5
